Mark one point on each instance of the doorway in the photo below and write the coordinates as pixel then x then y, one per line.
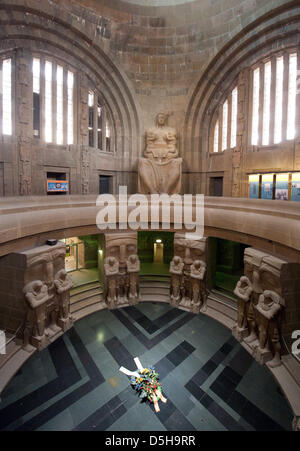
pixel 74 255
pixel 158 252
pixel 216 186
pixel 105 185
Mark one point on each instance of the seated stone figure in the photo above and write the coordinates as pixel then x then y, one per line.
pixel 160 170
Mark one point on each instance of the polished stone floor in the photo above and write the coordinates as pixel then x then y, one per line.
pixel 210 381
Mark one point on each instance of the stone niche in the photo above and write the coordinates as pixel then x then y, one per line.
pixel 35 295
pixel 121 270
pixel 268 305
pixel 188 274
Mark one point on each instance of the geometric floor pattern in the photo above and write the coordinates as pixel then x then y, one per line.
pixel 210 381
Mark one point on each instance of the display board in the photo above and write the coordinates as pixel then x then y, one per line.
pixel 57 186
pixel 295 194
pixel 267 186
pixel 282 187
pixel 254 186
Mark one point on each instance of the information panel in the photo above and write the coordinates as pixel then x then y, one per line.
pixel 282 187
pixel 296 187
pixel 254 186
pixel 267 186
pixel 57 186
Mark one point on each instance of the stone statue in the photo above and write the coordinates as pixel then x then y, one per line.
pixel 111 269
pixel 268 308
pixel 36 295
pixel 63 283
pixel 160 169
pixel 243 291
pixel 133 269
pixel 256 292
pixel 198 286
pixel 176 270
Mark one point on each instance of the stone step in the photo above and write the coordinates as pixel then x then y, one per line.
pixel 158 297
pixel 85 303
pixel 155 290
pixel 85 287
pixel 146 283
pixel 88 310
pixel 85 295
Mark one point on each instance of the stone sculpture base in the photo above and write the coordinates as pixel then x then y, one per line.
pixel 40 342
pixel 262 356
pixel 240 334
pixel 65 323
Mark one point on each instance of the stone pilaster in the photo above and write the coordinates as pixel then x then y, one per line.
pixel 29 300
pixel 193 290
pixel 120 248
pixel 24 118
pixel 268 310
pixel 241 144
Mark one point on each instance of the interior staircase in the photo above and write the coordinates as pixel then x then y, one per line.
pixel 155 288
pixel 86 299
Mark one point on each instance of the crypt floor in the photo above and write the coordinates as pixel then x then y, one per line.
pixel 210 381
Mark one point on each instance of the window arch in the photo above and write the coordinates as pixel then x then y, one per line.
pixel 6 96
pixel 273 83
pixel 53 88
pixel 225 124
pixel 100 129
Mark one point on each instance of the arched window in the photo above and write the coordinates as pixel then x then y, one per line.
pixel 53 101
pixel 225 128
pixel 274 91
pixel 100 124
pixel 6 97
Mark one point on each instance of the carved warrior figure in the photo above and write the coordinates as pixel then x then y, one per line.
pixel 198 286
pixel 36 295
pixel 176 270
pixel 256 292
pixel 133 269
pixel 111 269
pixel 63 283
pixel 268 320
pixel 243 291
pixel 160 169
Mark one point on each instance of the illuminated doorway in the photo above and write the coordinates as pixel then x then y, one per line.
pixel 74 254
pixel 158 252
